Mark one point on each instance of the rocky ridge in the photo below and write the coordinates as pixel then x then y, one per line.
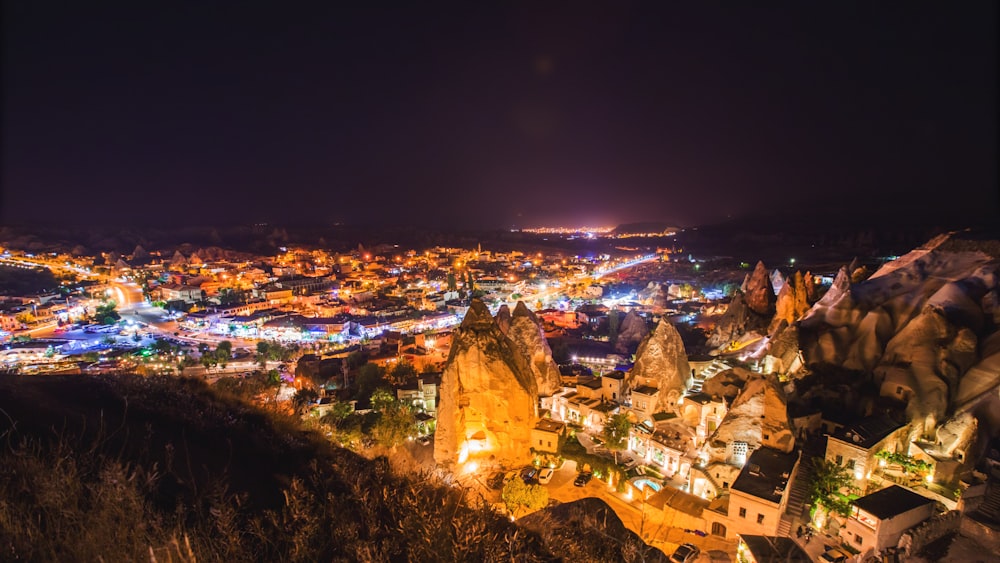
pixel 528 337
pixel 661 362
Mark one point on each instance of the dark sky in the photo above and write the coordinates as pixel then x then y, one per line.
pixel 460 114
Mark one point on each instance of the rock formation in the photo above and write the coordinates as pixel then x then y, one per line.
pixel 633 329
pixel 525 332
pixel 661 362
pixel 760 293
pixel 503 318
pixel 777 280
pixel 812 293
pixel 178 260
pixel 727 384
pixel 915 324
pixel 588 529
pixel 758 417
pixel 738 320
pixel 649 293
pixel 489 397
pixel 782 356
pixel 792 302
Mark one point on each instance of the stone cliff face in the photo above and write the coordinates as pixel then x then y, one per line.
pixel 915 324
pixel 777 280
pixel 489 396
pixel 812 293
pixel 738 320
pixel 528 338
pixel 760 293
pixel 792 302
pixel 633 330
pixel 727 384
pixel 661 362
pixel 783 351
pixel 758 416
pixel 503 318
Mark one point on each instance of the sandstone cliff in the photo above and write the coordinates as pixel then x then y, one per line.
pixel 915 324
pixel 503 318
pixel 489 396
pixel 760 293
pixel 737 321
pixel 661 362
pixel 529 339
pixel 633 330
pixel 758 417
pixel 792 302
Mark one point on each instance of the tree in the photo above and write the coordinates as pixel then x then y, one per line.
pixel 615 433
pixel 518 495
pixel 161 347
pixel 382 399
pixel 336 414
pixel 106 313
pixel 369 378
pixel 452 283
pixel 209 360
pixel 395 424
pixel 613 326
pixel 827 480
pixel 273 377
pixel 262 352
pixel 402 372
pixel 223 353
pixel 25 318
pixel 303 399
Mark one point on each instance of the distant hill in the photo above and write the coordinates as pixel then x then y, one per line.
pixel 123 468
pixel 644 227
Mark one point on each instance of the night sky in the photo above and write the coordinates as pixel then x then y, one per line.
pixel 464 115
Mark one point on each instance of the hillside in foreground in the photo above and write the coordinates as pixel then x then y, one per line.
pixel 120 468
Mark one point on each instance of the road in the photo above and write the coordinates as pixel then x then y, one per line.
pixel 663 529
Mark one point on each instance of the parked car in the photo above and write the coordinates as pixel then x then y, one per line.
pixel 529 475
pixel 583 478
pixel 545 475
pixel 834 555
pixel 685 553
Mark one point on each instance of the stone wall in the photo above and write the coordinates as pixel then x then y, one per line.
pixel 914 540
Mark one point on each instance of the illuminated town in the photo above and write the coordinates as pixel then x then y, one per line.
pixel 529 282
pixel 695 395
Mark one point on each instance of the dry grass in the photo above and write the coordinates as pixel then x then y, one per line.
pixel 162 469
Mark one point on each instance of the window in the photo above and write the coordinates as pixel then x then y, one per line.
pixel 857 539
pixel 740 453
pixel 760 518
pixel 743 512
pixel 550 443
pixel 767 436
pixel 539 442
pixel 850 464
pixel 840 460
pixel 899 389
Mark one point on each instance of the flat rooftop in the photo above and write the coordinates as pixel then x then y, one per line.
pixel 891 501
pixel 766 474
